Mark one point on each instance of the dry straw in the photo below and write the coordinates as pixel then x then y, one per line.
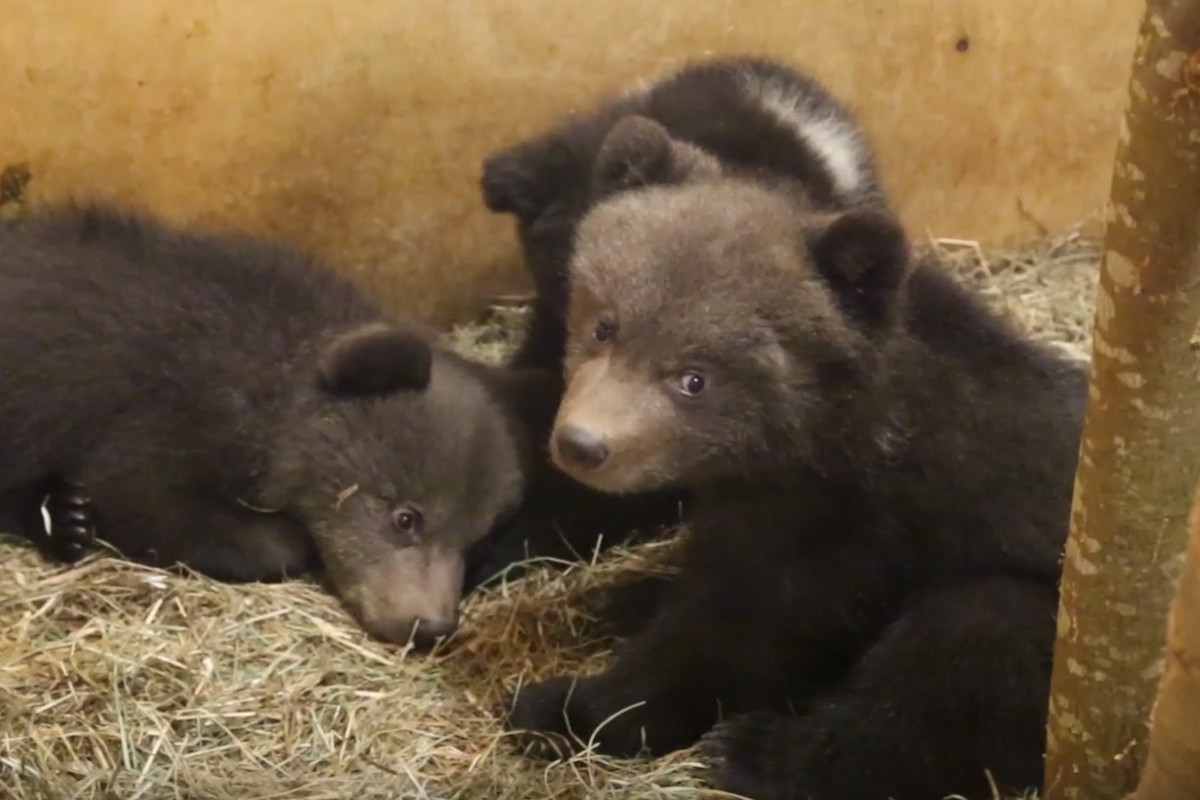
pixel 122 682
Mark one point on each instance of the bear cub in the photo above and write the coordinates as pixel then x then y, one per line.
pixel 225 403
pixel 755 116
pixel 881 472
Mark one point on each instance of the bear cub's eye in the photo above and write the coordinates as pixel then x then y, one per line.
pixel 605 332
pixel 408 521
pixel 692 383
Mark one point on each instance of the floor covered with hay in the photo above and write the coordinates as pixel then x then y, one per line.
pixel 121 682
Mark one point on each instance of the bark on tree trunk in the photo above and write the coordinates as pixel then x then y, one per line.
pixel 1172 770
pixel 1140 455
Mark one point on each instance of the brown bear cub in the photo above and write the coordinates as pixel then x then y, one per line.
pixel 881 471
pixel 230 405
pixel 753 115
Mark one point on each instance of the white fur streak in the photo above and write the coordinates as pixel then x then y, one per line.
pixel 833 138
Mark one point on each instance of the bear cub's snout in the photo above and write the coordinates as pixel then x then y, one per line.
pixel 579 447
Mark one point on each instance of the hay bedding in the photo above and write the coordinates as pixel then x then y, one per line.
pixel 118 681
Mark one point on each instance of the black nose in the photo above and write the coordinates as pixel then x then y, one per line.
pixel 580 447
pixel 428 631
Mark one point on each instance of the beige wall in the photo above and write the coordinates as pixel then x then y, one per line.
pixel 356 127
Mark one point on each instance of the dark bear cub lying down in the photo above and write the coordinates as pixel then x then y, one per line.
pixel 882 475
pixel 752 115
pixel 232 406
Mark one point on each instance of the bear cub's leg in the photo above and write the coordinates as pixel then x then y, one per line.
pixel 626 606
pixel 955 689
pixel 232 545
pixel 242 546
pixel 169 526
pixel 658 695
pixel 667 685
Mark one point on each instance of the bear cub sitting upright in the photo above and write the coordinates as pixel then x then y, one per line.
pixel 882 474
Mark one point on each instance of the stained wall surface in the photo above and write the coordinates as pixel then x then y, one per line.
pixel 356 127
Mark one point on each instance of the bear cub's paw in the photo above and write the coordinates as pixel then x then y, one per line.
pixel 556 718
pixel 541 715
pixel 72 530
pixel 759 756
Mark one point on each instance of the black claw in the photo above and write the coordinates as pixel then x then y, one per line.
pixel 72 529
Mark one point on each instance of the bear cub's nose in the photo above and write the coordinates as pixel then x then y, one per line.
pixel 579 447
pixel 428 631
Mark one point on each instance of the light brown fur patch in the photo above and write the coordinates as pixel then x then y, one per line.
pixel 631 414
pixel 407 586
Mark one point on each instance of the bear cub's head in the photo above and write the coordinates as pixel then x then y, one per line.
pixel 397 458
pixel 717 326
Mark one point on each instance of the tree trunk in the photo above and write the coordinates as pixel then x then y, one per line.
pixel 1140 455
pixel 1172 770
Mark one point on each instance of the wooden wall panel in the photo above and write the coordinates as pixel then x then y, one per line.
pixel 356 127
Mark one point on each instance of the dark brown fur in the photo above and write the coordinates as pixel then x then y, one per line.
pixel 882 474
pixel 235 407
pixel 718 113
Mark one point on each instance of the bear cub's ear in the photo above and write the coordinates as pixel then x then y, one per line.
pixel 640 152
pixel 512 181
pixel 864 256
pixel 374 359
